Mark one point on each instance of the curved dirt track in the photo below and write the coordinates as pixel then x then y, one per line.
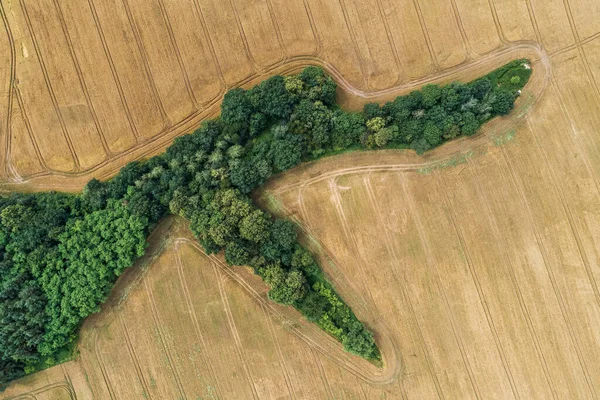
pixel 351 98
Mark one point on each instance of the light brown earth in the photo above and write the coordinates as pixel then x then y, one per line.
pixel 477 266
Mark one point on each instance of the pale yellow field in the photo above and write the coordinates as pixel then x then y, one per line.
pixel 477 265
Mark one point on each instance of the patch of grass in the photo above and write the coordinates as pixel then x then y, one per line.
pixel 513 76
pixel 504 138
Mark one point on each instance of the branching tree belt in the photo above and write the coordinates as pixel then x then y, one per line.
pixel 61 254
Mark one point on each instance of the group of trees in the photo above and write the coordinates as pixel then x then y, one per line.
pixel 61 254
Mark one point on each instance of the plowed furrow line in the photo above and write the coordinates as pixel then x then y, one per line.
pixel 313 27
pixel 194 317
pixel 49 87
pixel 148 71
pixel 109 387
pixel 482 297
pixel 322 374
pixel 551 275
pixel 433 266
pixel 163 339
pixel 432 55
pixel 80 77
pixel 113 69
pixel 30 133
pixel 133 355
pixel 284 368
pixel 499 238
pixel 13 63
pixel 277 28
pixel 540 244
pixel 255 66
pixel 497 23
pixel 471 55
pixel 352 33
pixel 401 74
pixel 234 332
pixel 211 47
pixel 175 48
pixel 414 320
pixel 337 202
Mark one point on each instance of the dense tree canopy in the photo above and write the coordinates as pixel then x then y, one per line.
pixel 61 254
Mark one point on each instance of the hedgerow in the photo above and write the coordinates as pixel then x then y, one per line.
pixel 60 254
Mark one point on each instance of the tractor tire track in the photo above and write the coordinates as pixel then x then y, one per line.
pixel 42 64
pixel 431 261
pixel 177 52
pixel 146 63
pixel 163 338
pixel 134 358
pixel 234 332
pixel 515 283
pixel 81 79
pixel 540 244
pixel 284 368
pixel 414 320
pixel 113 70
pixel 12 79
pixel 194 317
pixel 152 145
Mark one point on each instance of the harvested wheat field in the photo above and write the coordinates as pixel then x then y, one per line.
pixel 476 265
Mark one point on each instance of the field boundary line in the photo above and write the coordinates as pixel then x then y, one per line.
pixel 392 251
pixel 540 243
pixel 76 164
pixel 480 292
pixel 133 355
pixel 431 261
pixel 234 332
pixel 175 48
pixel 80 77
pixel 194 317
pixel 162 337
pixel 113 69
pixel 515 282
pixel 146 63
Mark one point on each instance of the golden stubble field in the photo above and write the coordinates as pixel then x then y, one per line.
pixel 477 266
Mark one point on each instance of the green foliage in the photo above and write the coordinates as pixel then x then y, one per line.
pixel 61 254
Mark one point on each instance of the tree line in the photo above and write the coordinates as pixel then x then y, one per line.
pixel 61 254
